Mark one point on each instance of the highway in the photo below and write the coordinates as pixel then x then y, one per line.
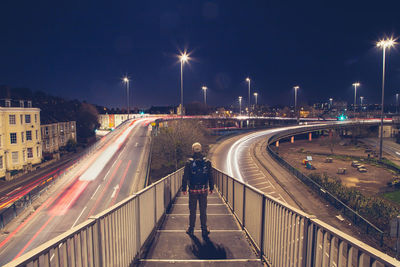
pixel 105 177
pixel 245 158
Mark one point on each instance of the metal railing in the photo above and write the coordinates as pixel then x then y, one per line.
pixel 112 238
pixel 286 236
pixel 350 213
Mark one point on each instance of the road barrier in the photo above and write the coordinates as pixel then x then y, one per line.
pixel 112 238
pixel 285 236
pixel 348 212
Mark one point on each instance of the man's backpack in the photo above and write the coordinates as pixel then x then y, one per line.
pixel 199 171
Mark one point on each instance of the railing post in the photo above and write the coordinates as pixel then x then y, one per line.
pixel 244 206
pixel 138 243
pixel 262 226
pixel 233 195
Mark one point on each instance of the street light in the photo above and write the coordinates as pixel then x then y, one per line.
pixel 248 80
pixel 330 102
pixel 256 95
pixel 355 96
pixel 397 103
pixel 388 43
pixel 295 99
pixel 126 81
pixel 183 59
pixel 240 105
pixel 361 101
pixel 205 94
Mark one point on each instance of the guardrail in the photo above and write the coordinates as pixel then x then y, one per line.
pixel 15 207
pixel 350 213
pixel 285 236
pixel 112 238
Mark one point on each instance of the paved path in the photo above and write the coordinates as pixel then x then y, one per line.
pixel 227 244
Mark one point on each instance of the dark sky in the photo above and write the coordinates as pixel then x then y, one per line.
pixel 81 49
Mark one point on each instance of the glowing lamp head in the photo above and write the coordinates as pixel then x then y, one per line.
pixel 204 88
pixel 255 94
pixel 356 84
pixel 388 43
pixel 240 98
pixel 125 79
pixel 296 87
pixel 248 79
pixel 184 57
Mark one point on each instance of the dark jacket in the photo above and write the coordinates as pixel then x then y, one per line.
pixel 187 175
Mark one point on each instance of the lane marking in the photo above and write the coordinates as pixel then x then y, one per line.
pixel 78 217
pixel 121 183
pixel 95 191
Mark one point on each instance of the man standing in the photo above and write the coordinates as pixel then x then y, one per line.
pixel 197 175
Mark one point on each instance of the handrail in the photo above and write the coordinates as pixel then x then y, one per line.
pixel 357 218
pixel 286 236
pixel 114 237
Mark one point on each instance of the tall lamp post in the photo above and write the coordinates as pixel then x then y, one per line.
pixel 255 96
pixel 330 103
pixel 183 59
pixel 355 97
pixel 361 103
pixel 248 106
pixel 397 103
pixel 204 88
pixel 388 43
pixel 126 81
pixel 295 100
pixel 240 105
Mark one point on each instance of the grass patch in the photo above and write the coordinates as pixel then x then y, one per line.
pixel 393 196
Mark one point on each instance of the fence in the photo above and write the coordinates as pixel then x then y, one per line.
pixel 285 236
pixel 16 206
pixel 356 218
pixel 113 237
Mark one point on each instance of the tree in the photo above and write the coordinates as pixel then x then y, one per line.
pixel 86 122
pixel 71 145
pixel 173 144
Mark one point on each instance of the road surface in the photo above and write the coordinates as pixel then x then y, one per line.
pixel 95 184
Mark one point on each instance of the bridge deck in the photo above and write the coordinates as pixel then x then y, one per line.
pixel 227 244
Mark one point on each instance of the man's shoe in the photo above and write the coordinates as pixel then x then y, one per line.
pixel 190 231
pixel 205 232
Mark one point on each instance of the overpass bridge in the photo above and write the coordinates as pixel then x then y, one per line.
pixel 248 228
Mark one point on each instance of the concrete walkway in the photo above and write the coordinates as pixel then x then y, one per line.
pixel 227 244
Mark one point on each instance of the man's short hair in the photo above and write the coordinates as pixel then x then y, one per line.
pixel 196 147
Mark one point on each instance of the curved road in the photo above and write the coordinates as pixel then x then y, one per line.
pixel 245 158
pixel 99 181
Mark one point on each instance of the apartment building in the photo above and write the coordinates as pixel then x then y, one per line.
pixel 20 140
pixel 110 121
pixel 56 135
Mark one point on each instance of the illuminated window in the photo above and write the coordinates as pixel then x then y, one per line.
pixel 14 157
pixel 13 138
pixel 29 152
pixel 11 119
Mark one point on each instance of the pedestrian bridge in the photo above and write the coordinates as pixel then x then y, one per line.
pixel 248 228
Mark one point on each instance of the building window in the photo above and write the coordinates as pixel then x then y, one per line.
pixel 47 143
pixel 35 118
pixel 29 104
pixel 1 162
pixel 36 135
pixel 14 157
pixel 46 130
pixel 62 139
pixel 29 152
pixel 27 118
pixel 22 137
pixel 13 138
pixel 11 119
pixel 28 135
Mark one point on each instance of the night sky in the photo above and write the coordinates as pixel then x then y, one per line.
pixel 81 49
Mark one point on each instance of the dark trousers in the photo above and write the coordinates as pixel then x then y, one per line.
pixel 202 199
